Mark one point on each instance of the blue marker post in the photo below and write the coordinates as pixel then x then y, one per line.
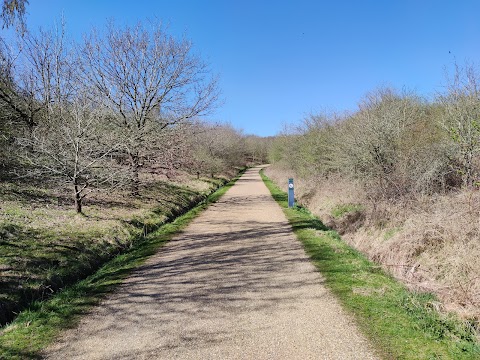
pixel 291 196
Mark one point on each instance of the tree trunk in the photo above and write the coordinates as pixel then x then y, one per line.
pixel 135 166
pixel 78 200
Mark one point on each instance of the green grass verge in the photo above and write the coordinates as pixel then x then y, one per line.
pixel 342 209
pixel 35 328
pixel 401 324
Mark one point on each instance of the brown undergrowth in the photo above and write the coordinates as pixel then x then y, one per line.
pixel 431 243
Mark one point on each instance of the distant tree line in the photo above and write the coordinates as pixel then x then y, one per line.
pixel 97 113
pixel 396 144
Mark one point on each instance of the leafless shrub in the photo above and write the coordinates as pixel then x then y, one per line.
pixel 308 149
pixel 461 106
pixel 393 146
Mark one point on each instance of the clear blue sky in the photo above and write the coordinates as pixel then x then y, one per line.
pixel 279 60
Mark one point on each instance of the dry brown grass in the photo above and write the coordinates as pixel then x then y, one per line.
pixel 431 243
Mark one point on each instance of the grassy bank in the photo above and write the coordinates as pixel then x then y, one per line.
pixel 36 327
pixel 45 245
pixel 400 323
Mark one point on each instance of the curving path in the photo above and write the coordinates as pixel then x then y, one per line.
pixel 236 284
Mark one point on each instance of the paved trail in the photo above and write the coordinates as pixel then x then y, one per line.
pixel 236 284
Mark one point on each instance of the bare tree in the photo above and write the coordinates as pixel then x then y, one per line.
pixel 75 147
pixel 373 143
pixel 52 63
pixel 68 136
pixel 13 105
pixel 6 84
pixel 38 78
pixel 47 73
pixel 149 81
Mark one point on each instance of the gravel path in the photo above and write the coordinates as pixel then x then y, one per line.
pixel 236 284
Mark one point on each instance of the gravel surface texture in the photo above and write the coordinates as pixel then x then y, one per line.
pixel 235 284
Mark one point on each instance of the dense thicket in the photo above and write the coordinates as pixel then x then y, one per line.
pixel 396 143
